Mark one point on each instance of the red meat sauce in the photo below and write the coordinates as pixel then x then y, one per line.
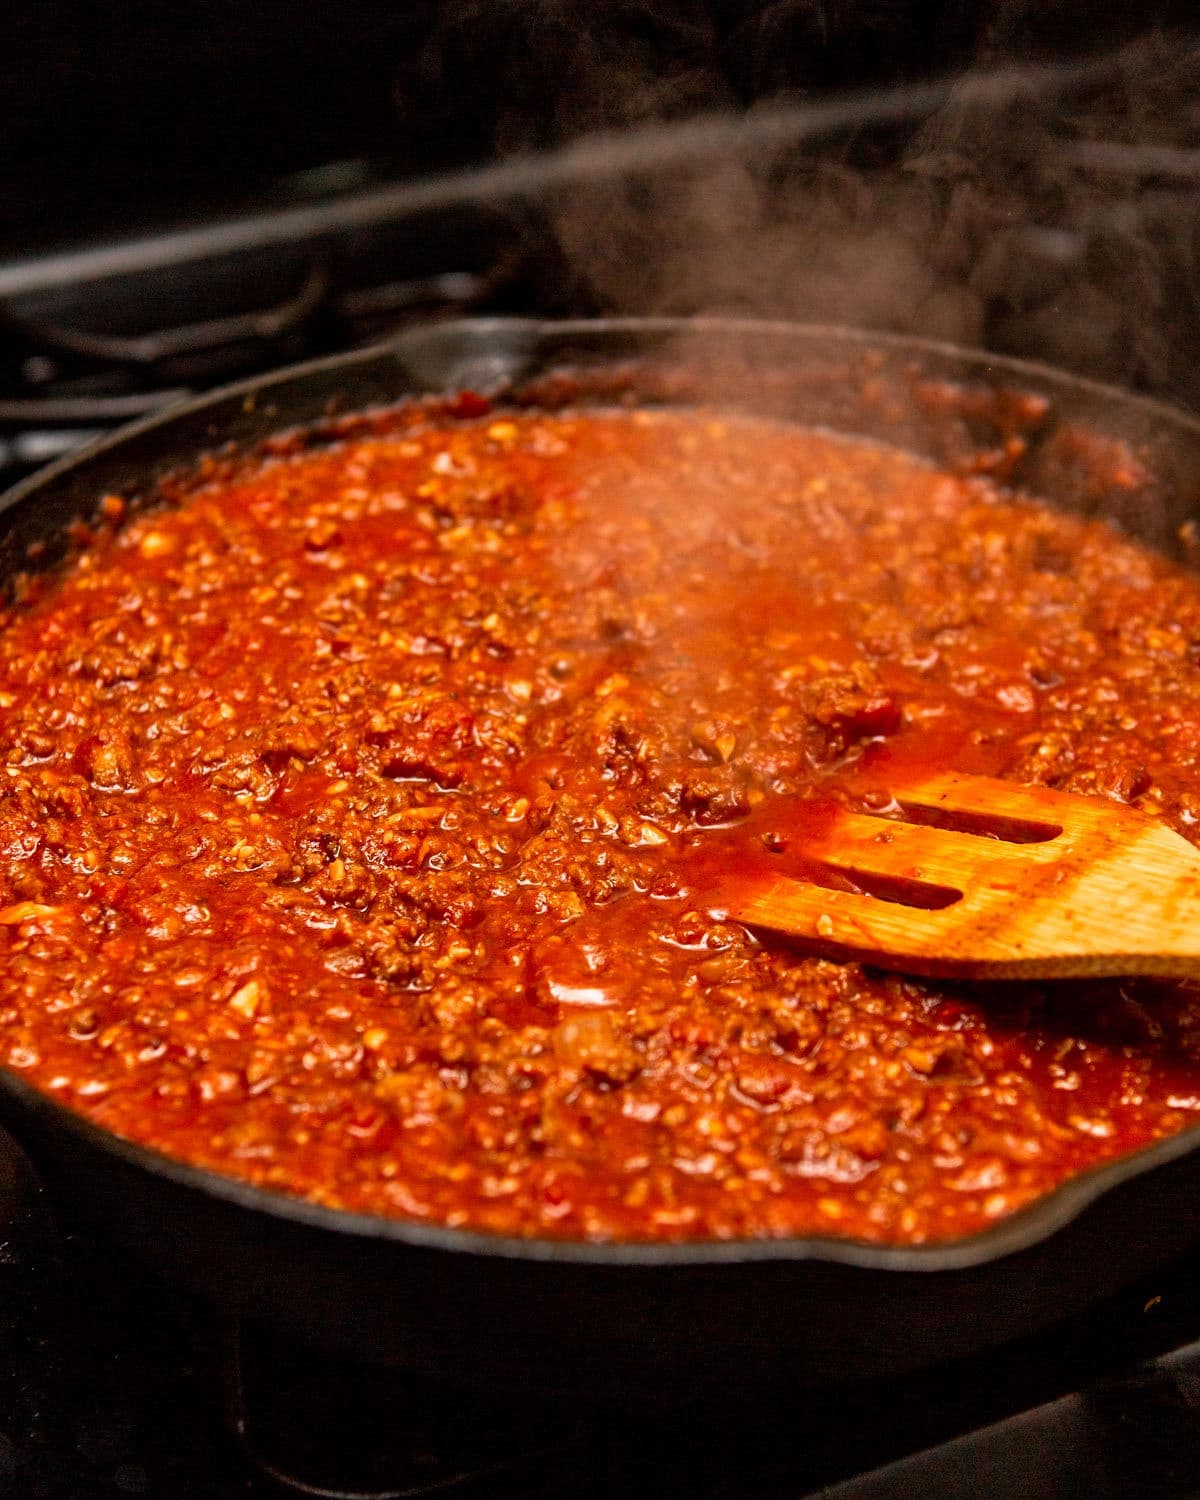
pixel 360 817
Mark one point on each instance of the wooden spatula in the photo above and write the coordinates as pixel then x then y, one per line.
pixel 985 879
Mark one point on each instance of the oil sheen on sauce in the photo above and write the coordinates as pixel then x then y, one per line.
pixel 362 812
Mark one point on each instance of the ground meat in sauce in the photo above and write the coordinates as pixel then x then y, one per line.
pixel 350 812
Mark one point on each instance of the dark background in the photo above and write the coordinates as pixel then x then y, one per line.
pixel 118 115
pixel 984 228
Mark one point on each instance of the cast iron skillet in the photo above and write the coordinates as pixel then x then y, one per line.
pixel 641 1318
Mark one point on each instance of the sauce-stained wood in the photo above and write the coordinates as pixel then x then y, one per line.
pixel 1091 890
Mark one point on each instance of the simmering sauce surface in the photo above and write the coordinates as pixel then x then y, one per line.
pixel 359 820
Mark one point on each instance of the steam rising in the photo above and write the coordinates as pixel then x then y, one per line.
pixel 1049 210
pixel 1045 209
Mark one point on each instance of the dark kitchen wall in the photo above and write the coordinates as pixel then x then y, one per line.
pixel 537 69
pixel 116 114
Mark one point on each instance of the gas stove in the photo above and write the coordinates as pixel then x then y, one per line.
pixel 96 336
pixel 113 1383
pixel 1062 227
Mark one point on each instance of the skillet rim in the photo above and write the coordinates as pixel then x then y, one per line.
pixel 1020 1231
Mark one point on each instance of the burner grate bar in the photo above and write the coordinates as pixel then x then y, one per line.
pixel 85 411
pixel 1134 1434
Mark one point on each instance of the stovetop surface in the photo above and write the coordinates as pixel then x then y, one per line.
pixel 113 1384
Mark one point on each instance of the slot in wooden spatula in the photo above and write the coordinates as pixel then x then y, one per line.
pixel 985 879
